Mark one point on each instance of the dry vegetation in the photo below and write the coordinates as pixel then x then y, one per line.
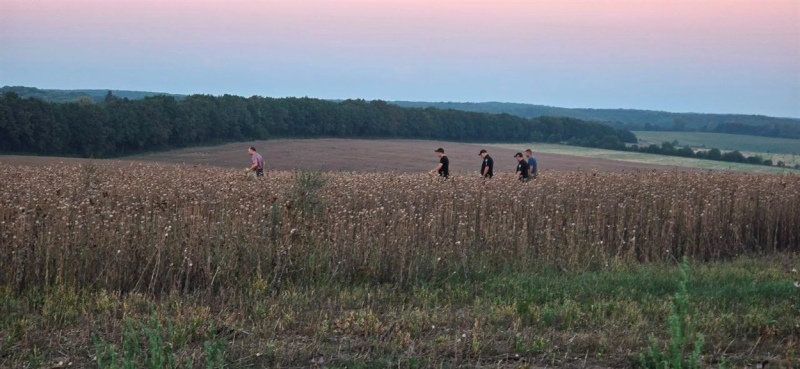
pixel 387 268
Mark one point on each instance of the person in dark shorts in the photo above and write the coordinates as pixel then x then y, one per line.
pixel 256 162
pixel 522 168
pixel 444 164
pixel 532 167
pixel 487 165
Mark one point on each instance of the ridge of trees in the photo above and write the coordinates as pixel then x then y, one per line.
pixel 735 156
pixel 120 126
pixel 626 119
pixel 639 120
pixel 672 149
pixel 50 95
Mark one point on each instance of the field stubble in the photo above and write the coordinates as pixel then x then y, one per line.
pixel 173 242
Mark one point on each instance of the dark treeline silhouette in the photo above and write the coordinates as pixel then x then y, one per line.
pixel 120 126
pixel 625 119
pixel 775 129
pixel 639 120
pixel 97 95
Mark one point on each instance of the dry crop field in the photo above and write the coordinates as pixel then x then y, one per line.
pixel 177 266
pixel 332 154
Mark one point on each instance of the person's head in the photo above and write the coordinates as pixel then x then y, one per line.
pixel 483 153
pixel 518 156
pixel 528 153
pixel 251 150
pixel 439 152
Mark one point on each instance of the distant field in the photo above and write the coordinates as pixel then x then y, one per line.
pixel 777 149
pixel 402 156
pixel 356 156
pixel 722 141
pixel 643 158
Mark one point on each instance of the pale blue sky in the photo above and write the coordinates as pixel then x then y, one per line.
pixel 715 56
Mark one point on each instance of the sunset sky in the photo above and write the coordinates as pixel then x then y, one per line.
pixel 716 56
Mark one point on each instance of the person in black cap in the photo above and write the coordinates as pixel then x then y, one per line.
pixel 487 166
pixel 444 164
pixel 522 168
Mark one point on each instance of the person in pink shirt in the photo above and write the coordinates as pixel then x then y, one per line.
pixel 257 162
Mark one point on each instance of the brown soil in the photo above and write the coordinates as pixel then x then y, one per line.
pixel 352 155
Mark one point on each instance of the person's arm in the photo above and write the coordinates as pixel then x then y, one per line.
pixel 254 166
pixel 434 170
pixel 485 170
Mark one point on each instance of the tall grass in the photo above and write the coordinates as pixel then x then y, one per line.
pixel 155 229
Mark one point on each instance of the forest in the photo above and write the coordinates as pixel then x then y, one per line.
pixel 120 126
pixel 52 95
pixel 639 120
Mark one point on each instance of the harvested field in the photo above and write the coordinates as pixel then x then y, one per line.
pixel 356 155
pixel 378 156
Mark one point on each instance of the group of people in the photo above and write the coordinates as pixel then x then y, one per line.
pixel 526 165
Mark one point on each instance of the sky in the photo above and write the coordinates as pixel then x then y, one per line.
pixel 708 56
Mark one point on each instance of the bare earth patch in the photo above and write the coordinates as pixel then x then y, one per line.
pixel 332 154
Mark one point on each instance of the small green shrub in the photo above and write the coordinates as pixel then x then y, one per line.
pixel 681 332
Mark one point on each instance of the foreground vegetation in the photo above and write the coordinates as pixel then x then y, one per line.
pixel 193 267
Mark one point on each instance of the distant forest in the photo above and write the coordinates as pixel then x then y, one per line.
pixel 639 120
pixel 74 95
pixel 626 119
pixel 117 126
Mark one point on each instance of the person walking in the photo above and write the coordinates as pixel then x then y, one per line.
pixel 523 173
pixel 256 162
pixel 487 166
pixel 443 169
pixel 532 167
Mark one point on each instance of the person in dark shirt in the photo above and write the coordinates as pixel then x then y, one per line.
pixel 522 168
pixel 487 165
pixel 532 167
pixel 444 164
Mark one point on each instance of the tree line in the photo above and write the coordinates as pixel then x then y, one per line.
pixel 775 129
pixel 120 126
pixel 735 156
pixel 51 95
pixel 640 120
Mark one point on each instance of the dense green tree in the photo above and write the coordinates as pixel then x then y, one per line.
pixel 115 126
pixel 714 154
pixel 734 156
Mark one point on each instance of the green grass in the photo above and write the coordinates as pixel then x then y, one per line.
pixel 722 141
pixel 645 158
pixel 776 149
pixel 746 310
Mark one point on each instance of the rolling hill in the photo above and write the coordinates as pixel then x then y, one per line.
pixel 634 119
pixel 51 95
